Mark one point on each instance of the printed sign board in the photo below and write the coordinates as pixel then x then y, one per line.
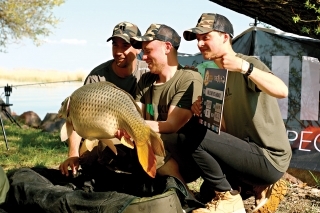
pixel 214 85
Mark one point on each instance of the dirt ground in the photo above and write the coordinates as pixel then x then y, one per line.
pixel 300 197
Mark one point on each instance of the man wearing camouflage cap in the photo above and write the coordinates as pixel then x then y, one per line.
pixel 165 95
pixel 252 150
pixel 124 70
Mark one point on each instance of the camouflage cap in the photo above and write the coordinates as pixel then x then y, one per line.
pixel 207 23
pixel 159 32
pixel 125 30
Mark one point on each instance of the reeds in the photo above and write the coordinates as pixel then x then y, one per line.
pixel 32 75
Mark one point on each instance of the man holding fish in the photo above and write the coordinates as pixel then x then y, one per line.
pixel 165 95
pixel 124 70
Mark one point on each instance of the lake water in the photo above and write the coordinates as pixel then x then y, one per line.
pixel 41 98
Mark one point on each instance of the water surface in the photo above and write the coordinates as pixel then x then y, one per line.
pixel 41 98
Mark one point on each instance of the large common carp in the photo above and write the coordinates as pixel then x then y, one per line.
pixel 98 110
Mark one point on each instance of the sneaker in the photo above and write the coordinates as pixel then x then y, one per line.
pixel 224 202
pixel 268 198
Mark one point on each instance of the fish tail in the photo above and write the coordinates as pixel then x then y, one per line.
pixel 157 144
pixel 147 159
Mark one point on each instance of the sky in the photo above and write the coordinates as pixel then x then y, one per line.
pixel 78 43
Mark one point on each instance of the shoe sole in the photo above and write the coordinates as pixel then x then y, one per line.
pixel 278 191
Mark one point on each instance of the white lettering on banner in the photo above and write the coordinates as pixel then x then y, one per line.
pixel 302 140
pixel 280 67
pixel 293 132
pixel 310 86
pixel 315 143
pixel 213 93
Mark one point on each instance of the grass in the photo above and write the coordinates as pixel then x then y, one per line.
pixel 31 75
pixel 316 179
pixel 30 147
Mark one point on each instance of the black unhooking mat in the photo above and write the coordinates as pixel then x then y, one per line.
pixel 30 191
pixel 46 190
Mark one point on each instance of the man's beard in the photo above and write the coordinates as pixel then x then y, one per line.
pixel 121 64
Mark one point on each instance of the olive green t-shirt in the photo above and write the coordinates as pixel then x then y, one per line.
pixel 104 72
pixel 253 115
pixel 181 91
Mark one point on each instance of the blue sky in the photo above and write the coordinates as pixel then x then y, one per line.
pixel 79 41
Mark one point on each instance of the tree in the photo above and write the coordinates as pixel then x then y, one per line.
pixel 26 19
pixel 301 17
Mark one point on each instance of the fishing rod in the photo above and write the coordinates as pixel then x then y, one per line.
pixel 8 89
pixel 33 84
pixel 4 105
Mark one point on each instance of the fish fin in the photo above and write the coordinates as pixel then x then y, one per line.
pixel 160 161
pixel 115 141
pixel 63 133
pixel 127 142
pixel 64 109
pixel 147 159
pixel 88 145
pixel 68 104
pixel 157 144
pixel 66 131
pixel 110 144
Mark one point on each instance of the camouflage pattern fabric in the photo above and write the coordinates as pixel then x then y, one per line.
pixel 207 23
pixel 159 32
pixel 125 30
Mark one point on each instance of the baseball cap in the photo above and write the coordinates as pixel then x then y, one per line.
pixel 159 32
pixel 125 30
pixel 207 23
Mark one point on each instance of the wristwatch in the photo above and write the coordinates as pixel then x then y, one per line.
pixel 249 70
